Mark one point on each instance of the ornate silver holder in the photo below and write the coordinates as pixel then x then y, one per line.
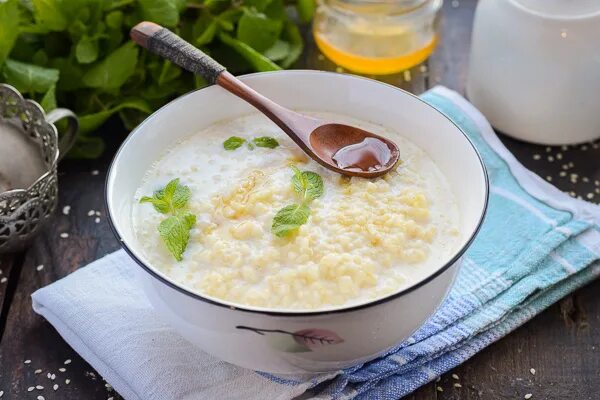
pixel 29 153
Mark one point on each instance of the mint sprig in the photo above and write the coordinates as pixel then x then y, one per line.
pixel 307 184
pixel 235 142
pixel 175 229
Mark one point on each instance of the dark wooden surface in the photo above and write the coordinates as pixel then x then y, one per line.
pixel 562 344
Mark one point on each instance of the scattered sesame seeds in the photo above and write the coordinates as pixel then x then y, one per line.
pixel 532 371
pixel 37 371
pixel 528 396
pixel 67 381
pixel 3 280
pixel 97 220
pixel 27 362
pixel 55 387
pixel 457 385
pixel 454 376
pixel 439 389
pixel 40 267
pixel 91 213
pixel 39 387
pixel 67 361
pixel 30 388
pixel 95 172
pixel 64 235
pixel 66 210
pixel 62 369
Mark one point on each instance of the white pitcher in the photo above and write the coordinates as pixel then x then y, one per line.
pixel 535 68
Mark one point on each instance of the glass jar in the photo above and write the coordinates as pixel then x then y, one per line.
pixel 376 36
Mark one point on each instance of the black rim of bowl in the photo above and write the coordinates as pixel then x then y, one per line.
pixel 292 313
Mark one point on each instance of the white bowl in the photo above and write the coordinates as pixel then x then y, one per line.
pixel 284 341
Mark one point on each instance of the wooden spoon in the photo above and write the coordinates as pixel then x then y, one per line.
pixel 340 148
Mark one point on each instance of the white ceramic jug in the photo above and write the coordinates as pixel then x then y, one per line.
pixel 535 68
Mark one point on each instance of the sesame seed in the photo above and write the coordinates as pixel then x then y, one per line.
pixel 66 210
pixel 110 398
pixel 55 387
pixel 37 371
pixel 1 393
pixel 548 149
pixel 98 213
pixel 537 157
pixel 39 387
pixel 407 75
pixel 95 172
pixel 108 386
pixel 565 166
pixel 53 377
pixel 321 57
pixel 40 398
pixel 597 182
pixel 550 158
pixel 40 267
pixel 49 375
pixel 563 147
pixel 454 376
pixel 3 280
pixel 549 178
pixel 68 361
pixel 584 147
pixel 439 389
pixel 67 381
pixel 439 378
pixel 532 370
pixel 339 70
pixel 562 173
pixel 528 396
pixel 64 235
pixel 585 179
pixel 97 220
pixel 62 369
pixel 563 34
pixel 457 385
pixel 30 388
pixel 91 212
pixel 559 156
pixel 590 195
pixel 423 68
pixel 27 361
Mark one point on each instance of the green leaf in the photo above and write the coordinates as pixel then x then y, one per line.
pixel 48 14
pixel 86 50
pixel 163 12
pixel 114 70
pixel 208 34
pixel 9 27
pixel 175 232
pixel 292 35
pixel 278 51
pixel 306 10
pixel 114 19
pixel 258 31
pixel 266 141
pixel 91 122
pixel 257 60
pixel 48 102
pixel 28 78
pixel 159 204
pixel 289 219
pixel 307 184
pixel 233 143
pixel 181 196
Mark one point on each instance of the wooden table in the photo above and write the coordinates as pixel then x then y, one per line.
pixel 562 344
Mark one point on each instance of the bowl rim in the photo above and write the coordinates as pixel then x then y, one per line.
pixel 292 313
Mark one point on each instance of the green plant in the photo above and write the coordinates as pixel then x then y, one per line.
pixel 77 53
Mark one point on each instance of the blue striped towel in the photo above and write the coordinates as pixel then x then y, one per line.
pixel 537 244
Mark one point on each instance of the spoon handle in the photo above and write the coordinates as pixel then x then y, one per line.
pixel 165 43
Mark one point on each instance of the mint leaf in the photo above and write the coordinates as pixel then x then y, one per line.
pixel 90 122
pixel 289 219
pixel 314 185
pixel 233 143
pixel 48 13
pixel 9 27
pixel 306 9
pixel 254 58
pixel 48 102
pixel 175 232
pixel 29 78
pixel 114 70
pixel 86 50
pixel 163 12
pixel 292 35
pixel 257 30
pixel 265 141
